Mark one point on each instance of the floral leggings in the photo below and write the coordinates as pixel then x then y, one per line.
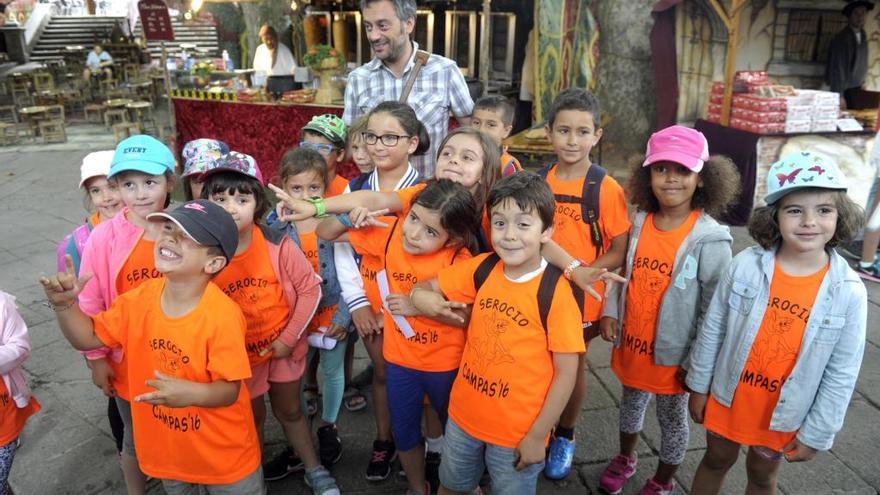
pixel 672 414
pixel 7 452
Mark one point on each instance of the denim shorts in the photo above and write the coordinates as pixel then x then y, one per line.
pixel 465 458
pixel 406 389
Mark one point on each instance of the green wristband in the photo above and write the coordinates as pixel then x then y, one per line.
pixel 320 208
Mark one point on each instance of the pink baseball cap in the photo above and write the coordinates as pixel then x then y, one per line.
pixel 678 144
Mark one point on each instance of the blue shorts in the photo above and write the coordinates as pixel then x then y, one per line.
pixel 465 458
pixel 406 388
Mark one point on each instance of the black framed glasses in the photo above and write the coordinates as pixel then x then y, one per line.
pixel 387 139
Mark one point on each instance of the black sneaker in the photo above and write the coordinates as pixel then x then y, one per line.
pixel 329 445
pixel 281 465
pixel 384 454
pixel 432 470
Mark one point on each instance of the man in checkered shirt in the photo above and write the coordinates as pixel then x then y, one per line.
pixel 438 90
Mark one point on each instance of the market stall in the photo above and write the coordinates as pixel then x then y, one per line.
pixel 264 130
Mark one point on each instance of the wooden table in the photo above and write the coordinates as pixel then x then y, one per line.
pixel 118 102
pixel 32 116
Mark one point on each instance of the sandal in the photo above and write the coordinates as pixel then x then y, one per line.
pixel 310 394
pixel 354 399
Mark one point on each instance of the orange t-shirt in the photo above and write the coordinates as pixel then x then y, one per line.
pixel 337 186
pixel 407 194
pixel 250 281
pixel 771 360
pixel 509 164
pixel 435 346
pixel 323 316
pixel 507 366
pixel 573 234
pixel 139 267
pixel 204 445
pixel 633 361
pixel 95 219
pixel 12 418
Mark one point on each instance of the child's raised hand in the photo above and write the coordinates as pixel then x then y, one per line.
pixel 297 208
pixel 433 304
pixel 361 217
pixel 170 392
pixel 608 327
pixel 585 276
pixel 64 287
pixel 278 349
pixel 529 451
pixel 366 322
pixel 697 406
pixel 400 305
pixel 796 451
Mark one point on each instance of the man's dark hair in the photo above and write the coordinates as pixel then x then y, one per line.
pixel 403 9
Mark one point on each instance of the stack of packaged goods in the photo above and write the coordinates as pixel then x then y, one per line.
pixel 763 108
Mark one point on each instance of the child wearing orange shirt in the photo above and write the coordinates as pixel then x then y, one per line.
pixel 278 292
pixel 421 355
pixel 119 255
pixel 16 402
pixel 573 127
pixel 677 252
pixel 778 354
pixel 493 114
pixel 523 341
pixel 304 176
pixel 186 358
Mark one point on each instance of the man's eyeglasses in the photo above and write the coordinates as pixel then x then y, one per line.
pixel 387 139
pixel 322 149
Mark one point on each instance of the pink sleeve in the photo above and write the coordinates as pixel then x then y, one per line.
pixel 91 300
pixel 297 273
pixel 14 344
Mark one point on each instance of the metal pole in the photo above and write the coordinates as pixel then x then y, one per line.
pixel 485 46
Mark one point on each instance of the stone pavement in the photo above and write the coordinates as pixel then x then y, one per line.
pixel 67 448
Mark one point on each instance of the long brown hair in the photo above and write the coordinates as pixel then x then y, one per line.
pixel 491 161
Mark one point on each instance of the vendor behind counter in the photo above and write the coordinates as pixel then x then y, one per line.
pixel 273 63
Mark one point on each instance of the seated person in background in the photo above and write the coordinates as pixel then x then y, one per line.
pixel 98 62
pixel 272 59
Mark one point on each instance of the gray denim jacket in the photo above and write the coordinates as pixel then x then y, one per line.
pixel 331 293
pixel 813 400
pixel 699 263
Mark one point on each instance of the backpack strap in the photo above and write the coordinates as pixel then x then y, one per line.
pixel 545 170
pixel 388 241
pixel 546 290
pixel 484 269
pixel 590 204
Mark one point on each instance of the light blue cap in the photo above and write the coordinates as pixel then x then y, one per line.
pixel 142 153
pixel 802 170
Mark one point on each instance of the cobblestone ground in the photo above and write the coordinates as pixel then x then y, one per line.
pixel 67 448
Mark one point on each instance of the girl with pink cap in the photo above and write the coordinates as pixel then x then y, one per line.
pixel 676 254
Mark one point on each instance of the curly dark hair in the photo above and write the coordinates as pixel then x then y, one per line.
pixel 721 186
pixel 764 222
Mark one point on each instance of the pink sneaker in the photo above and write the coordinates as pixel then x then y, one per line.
pixel 620 469
pixel 653 488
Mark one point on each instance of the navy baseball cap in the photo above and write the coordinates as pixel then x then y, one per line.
pixel 142 153
pixel 205 223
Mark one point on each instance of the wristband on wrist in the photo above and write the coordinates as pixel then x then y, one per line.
pixel 569 270
pixel 59 309
pixel 320 208
pixel 344 220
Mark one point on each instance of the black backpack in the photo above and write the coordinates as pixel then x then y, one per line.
pixel 589 201
pixel 546 287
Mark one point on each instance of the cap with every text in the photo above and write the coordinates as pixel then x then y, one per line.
pixel 142 153
pixel 205 223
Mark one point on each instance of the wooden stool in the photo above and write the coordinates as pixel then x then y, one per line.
pixel 32 117
pixel 73 100
pixel 115 116
pixel 123 130
pixel 43 81
pixel 142 112
pixel 55 112
pixel 8 114
pixel 132 72
pixel 107 85
pixel 94 109
pixel 52 131
pixel 21 92
pixel 8 134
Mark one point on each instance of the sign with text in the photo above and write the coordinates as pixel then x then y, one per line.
pixel 155 20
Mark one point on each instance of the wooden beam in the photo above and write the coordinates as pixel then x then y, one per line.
pixel 730 63
pixel 719 9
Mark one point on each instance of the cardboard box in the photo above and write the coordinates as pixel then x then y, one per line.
pixel 826 112
pixel 828 125
pixel 758 117
pixel 750 102
pixel 798 112
pixel 800 125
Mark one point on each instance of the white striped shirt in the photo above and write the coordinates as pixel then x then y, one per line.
pixel 438 90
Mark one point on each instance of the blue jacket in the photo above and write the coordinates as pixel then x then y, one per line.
pixel 331 293
pixel 813 400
